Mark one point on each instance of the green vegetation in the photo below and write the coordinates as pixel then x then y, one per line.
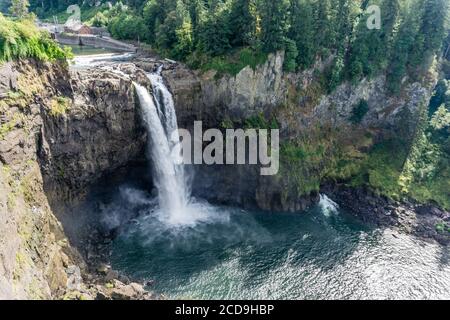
pixel 211 33
pixel 393 167
pixel 10 125
pixel 442 227
pixel 6 128
pixel 322 155
pixel 230 64
pixel 260 122
pixel 4 6
pixel 228 35
pixel 421 171
pixel 359 111
pixel 47 9
pixel 59 106
pixel 21 39
pixel 302 163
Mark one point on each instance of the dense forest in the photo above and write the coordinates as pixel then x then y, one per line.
pixel 227 35
pixel 230 31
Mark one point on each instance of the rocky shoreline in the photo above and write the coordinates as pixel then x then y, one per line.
pixel 425 221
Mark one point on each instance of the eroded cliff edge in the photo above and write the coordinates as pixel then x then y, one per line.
pixel 59 133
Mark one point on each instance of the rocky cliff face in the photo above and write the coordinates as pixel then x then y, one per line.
pixel 306 115
pixel 99 132
pixel 34 252
pixel 59 132
pixel 297 100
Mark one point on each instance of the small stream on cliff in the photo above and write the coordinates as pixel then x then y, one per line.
pixel 184 247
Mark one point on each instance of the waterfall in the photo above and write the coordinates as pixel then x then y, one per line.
pixel 160 120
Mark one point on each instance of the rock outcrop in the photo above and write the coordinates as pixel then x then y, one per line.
pixel 59 132
pixel 99 132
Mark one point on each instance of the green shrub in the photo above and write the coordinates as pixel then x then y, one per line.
pixel 359 112
pixel 127 26
pixel 260 122
pixel 99 20
pixel 230 64
pixel 291 53
pixel 442 227
pixel 21 39
pixel 59 106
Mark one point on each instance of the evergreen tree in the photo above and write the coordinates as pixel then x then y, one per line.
pixel 274 24
pixel 428 40
pixel 4 6
pixel 197 12
pixel 358 57
pixel 302 32
pixel 183 31
pixel 323 29
pixel 433 25
pixel 291 53
pixel 381 40
pixel 241 22
pixel 403 46
pixel 215 32
pixel 152 12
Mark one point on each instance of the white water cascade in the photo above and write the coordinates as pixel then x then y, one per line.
pixel 159 117
pixel 176 207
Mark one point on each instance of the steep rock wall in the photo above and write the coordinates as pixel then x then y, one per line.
pixel 306 114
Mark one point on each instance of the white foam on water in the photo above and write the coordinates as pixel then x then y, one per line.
pixel 328 206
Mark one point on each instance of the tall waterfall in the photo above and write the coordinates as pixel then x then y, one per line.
pixel 160 119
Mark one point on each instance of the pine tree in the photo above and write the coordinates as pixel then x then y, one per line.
pixel 358 56
pixel 380 41
pixel 344 21
pixel 274 24
pixel 291 53
pixel 403 46
pixel 215 32
pixel 324 35
pixel 431 32
pixel 197 12
pixel 433 25
pixel 241 22
pixel 302 32
pixel 183 31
